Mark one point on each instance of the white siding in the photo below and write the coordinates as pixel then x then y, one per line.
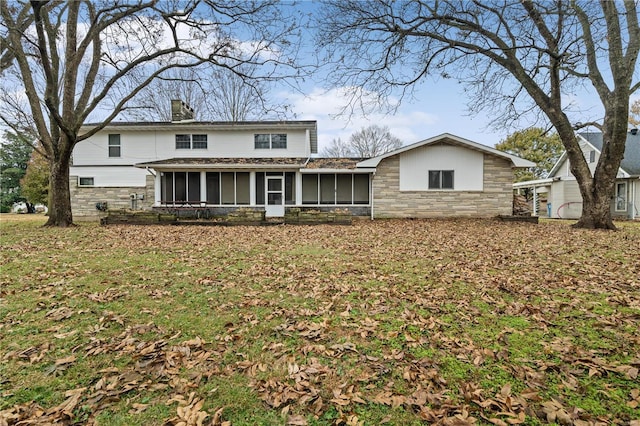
pixel 467 165
pixel 565 199
pixel 150 145
pixel 112 176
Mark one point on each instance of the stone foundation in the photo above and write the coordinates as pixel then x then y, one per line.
pixel 85 198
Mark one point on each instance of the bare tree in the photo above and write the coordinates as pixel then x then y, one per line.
pixel 82 59
pixel 367 142
pixel 518 57
pixel 372 141
pixel 215 94
pixel 337 149
pixel 634 113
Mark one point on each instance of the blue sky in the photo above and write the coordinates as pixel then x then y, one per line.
pixel 438 106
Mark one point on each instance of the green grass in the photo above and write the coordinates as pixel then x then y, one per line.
pixel 397 322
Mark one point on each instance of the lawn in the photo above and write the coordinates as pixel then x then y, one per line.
pixel 394 322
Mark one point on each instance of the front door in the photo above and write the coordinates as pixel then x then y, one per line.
pixel 274 186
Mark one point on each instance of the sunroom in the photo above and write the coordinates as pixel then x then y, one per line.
pixel 213 187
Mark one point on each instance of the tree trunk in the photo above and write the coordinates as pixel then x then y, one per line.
pixel 59 195
pixel 596 212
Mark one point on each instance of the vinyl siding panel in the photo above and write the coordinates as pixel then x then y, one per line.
pixel 141 146
pixel 466 164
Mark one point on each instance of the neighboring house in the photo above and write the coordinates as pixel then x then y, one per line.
pixel 563 194
pixel 217 167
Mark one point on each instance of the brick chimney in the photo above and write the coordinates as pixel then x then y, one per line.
pixel 180 111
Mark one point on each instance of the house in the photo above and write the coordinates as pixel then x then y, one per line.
pixel 190 167
pixel 563 194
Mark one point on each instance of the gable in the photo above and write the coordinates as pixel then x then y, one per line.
pixel 591 146
pixel 467 166
pixel 451 140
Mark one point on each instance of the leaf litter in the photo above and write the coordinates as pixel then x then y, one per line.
pixel 451 322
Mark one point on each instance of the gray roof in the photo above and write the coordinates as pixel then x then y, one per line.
pixel 337 163
pixel 631 160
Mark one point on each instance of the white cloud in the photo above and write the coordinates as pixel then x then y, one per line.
pixel 327 107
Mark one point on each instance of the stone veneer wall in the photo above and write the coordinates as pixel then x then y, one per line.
pixel 84 198
pixel 495 199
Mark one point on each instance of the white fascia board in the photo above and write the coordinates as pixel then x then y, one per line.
pixel 556 166
pixel 533 183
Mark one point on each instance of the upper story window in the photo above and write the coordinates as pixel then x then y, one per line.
pixel 199 142
pixel 114 146
pixel 191 142
pixel 590 156
pixel 440 179
pixel 270 141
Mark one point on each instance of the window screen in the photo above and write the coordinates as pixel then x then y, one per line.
pixel 242 188
pixel 310 189
pixel 213 188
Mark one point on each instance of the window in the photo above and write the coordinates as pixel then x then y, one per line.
pixel 262 141
pixel 289 188
pixel 592 156
pixel 339 188
pixel 327 189
pixel 191 142
pixel 310 189
pixel 344 189
pixel 114 146
pixel 199 142
pixel 213 188
pixel 180 187
pixel 360 189
pixel 621 196
pixel 279 141
pixel 260 188
pixel 270 141
pixel 242 188
pixel 183 141
pixel 440 179
pixel 85 181
pixel 226 188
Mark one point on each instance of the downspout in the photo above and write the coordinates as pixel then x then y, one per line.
pixel 633 198
pixel 371 192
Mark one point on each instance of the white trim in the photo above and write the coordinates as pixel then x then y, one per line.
pixel 626 196
pixel 93 181
pixel 533 183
